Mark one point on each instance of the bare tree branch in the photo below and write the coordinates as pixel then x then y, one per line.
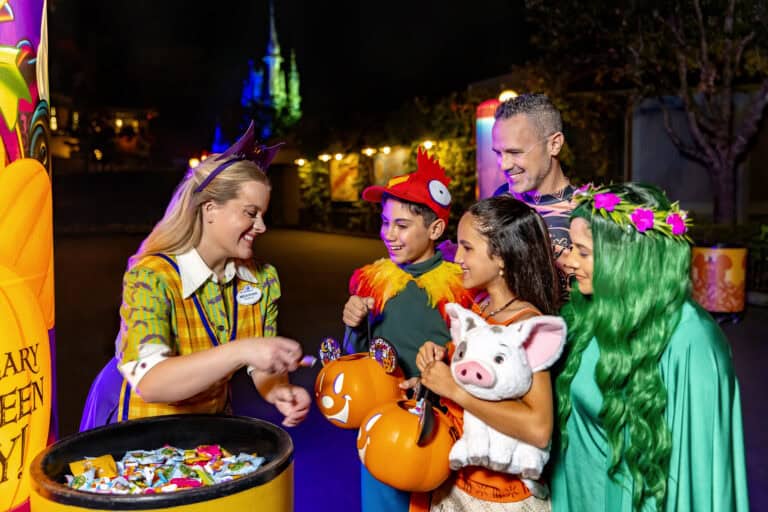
pixel 675 30
pixel 728 19
pixel 740 48
pixel 689 151
pixel 674 25
pixel 690 104
pixel 702 33
pixel 751 121
pixel 694 116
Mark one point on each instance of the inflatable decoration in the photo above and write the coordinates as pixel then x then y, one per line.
pixel 27 406
pixel 25 387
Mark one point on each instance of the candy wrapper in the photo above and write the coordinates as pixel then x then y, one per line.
pixel 167 469
pixel 104 466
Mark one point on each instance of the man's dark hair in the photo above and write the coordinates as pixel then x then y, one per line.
pixel 538 107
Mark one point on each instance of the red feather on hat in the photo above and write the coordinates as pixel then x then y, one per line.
pixel 430 166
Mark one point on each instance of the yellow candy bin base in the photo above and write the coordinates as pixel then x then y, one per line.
pixel 268 488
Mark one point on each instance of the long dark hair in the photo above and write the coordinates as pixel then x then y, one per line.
pixel 518 235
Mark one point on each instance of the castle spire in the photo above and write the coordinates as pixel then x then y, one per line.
pixel 294 97
pixel 273 47
pixel 274 79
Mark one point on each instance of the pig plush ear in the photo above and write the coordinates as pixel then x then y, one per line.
pixel 544 338
pixel 462 320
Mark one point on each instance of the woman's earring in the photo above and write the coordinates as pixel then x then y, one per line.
pixel 501 272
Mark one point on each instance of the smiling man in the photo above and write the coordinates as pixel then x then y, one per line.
pixel 527 138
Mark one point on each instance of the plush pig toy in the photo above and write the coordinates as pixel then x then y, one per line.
pixel 495 362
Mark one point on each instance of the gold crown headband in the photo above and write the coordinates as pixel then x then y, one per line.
pixel 673 223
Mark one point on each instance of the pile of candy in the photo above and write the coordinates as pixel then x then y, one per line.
pixel 166 469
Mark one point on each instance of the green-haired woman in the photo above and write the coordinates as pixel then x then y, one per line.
pixel 648 403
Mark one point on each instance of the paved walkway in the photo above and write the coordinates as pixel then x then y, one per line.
pixel 314 269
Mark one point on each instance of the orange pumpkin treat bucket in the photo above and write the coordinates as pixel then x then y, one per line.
pixel 405 444
pixel 348 387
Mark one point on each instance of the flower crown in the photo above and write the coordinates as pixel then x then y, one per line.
pixel 672 223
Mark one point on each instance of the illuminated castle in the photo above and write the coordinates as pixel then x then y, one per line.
pixel 265 96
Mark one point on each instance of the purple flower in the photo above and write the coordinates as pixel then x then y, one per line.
pixel 677 222
pixel 642 219
pixel 607 201
pixel 582 190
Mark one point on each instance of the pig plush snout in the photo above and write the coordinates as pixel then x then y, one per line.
pixel 474 373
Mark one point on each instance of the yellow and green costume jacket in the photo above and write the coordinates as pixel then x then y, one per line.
pixel 165 313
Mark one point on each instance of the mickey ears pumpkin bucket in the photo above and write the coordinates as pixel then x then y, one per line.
pixel 347 387
pixel 390 447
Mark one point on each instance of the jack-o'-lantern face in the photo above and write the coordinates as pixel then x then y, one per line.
pixel 363 435
pixel 328 402
pixel 349 386
pixel 388 446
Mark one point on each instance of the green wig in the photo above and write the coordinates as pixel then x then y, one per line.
pixel 640 282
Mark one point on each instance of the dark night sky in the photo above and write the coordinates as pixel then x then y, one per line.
pixel 189 59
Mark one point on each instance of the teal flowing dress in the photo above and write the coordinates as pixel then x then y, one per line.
pixel 707 471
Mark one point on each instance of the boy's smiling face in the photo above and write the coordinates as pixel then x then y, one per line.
pixel 404 234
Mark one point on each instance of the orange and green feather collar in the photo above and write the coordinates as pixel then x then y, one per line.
pixel 383 280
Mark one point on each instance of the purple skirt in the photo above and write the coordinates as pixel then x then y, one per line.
pixel 103 398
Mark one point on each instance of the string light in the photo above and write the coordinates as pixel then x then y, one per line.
pixel 507 94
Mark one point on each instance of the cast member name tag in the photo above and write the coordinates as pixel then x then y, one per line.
pixel 248 295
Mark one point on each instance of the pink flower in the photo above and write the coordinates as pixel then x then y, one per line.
pixel 642 219
pixel 677 222
pixel 607 201
pixel 582 190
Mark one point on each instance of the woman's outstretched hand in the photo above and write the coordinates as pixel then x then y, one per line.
pixel 275 355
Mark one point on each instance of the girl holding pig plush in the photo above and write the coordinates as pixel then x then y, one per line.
pixel 504 250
